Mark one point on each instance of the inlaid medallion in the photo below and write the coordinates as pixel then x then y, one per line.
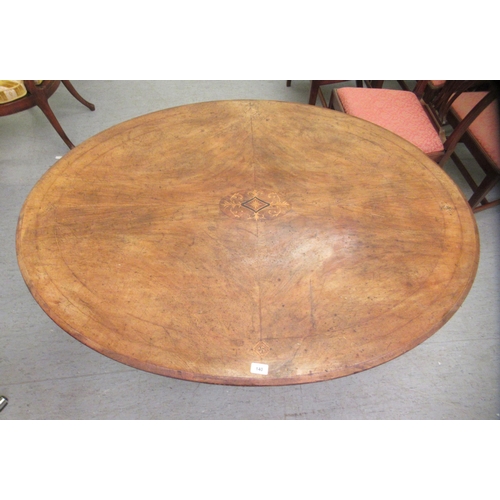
pixel 254 204
pixel 261 348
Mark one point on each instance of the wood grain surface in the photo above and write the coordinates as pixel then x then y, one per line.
pixel 248 243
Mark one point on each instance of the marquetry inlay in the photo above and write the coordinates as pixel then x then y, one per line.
pixel 254 204
pixel 261 348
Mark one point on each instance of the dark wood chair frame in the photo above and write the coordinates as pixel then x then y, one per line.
pixel 316 91
pixel 478 201
pixel 438 106
pixel 38 95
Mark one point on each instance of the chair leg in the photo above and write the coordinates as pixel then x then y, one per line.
pixel 482 191
pixel 77 96
pixel 313 94
pixel 43 104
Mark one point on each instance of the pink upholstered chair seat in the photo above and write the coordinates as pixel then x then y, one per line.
pixel 398 111
pixel 485 128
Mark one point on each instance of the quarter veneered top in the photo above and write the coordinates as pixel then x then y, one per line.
pixel 249 243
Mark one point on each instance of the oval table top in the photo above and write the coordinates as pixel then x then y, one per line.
pixel 248 243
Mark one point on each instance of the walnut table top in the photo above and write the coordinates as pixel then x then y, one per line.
pixel 248 243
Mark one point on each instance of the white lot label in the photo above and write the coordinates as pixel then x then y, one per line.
pixel 259 368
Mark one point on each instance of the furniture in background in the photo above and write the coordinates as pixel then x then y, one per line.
pixel 26 94
pixel 432 85
pixel 482 139
pixel 472 115
pixel 316 91
pixel 399 111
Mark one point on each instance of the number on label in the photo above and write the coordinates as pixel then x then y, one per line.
pixel 259 368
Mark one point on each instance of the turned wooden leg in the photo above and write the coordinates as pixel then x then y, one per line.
pixel 76 95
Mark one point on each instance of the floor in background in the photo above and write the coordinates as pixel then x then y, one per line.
pixel 46 374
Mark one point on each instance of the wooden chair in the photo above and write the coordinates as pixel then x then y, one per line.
pixel 38 94
pixel 482 139
pixel 470 107
pixel 399 111
pixel 431 89
pixel 432 85
pixel 471 114
pixel 316 91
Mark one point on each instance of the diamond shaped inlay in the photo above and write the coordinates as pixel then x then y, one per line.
pixel 256 205
pixel 261 348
